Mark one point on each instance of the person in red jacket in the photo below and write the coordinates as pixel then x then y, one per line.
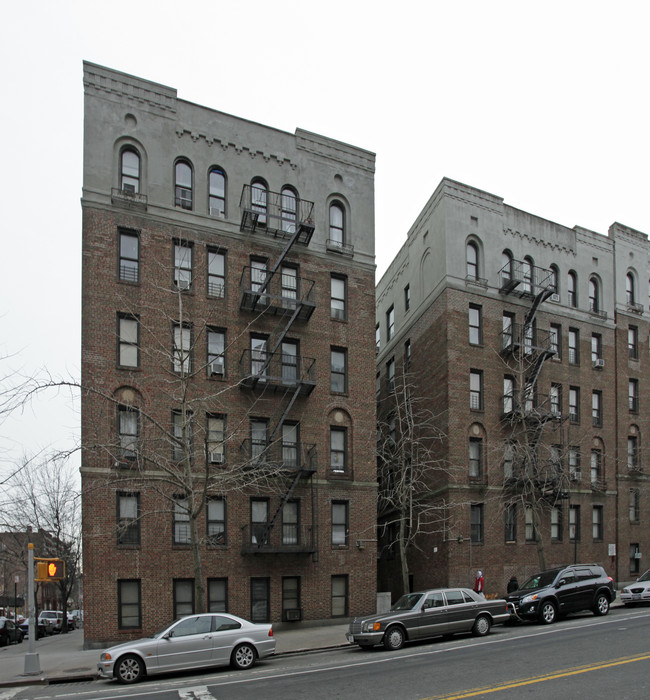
pixel 479 583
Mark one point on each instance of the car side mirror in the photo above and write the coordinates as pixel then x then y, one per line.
pixel 561 582
pixel 168 635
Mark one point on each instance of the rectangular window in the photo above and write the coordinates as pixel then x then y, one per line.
pixel 635 508
pixel 340 596
pixel 510 522
pixel 289 287
pixel 290 445
pixel 507 332
pixel 217 595
pixel 338 298
pixel 633 395
pixel 475 325
pixel 339 523
pixel 290 523
pixel 216 274
pixel 632 452
pixel 182 350
pixel 596 348
pixel 596 409
pixel 338 449
pixel 259 357
pixel 182 265
pixel 597 523
pixel 181 521
pixel 574 523
pixel 574 404
pixel 574 346
pixel 260 600
pixel 390 374
pixel 574 464
pixel 508 457
pixel 216 347
pixel 377 338
pixel 183 597
pixel 128 353
pixel 407 354
pixel 290 597
pixel 407 297
pixel 259 520
pixel 215 442
pixel 129 257
pixel 596 467
pixel 508 394
pixel 556 400
pixel 259 270
pixel 475 458
pixel 289 359
pixel 128 518
pixel 129 611
pixel 476 389
pixel 182 435
pixel 555 340
pixel 556 524
pixel 530 525
pixel 476 523
pixel 635 559
pixel 128 425
pixel 338 370
pixel 259 437
pixel 390 323
pixel 216 521
pixel 633 342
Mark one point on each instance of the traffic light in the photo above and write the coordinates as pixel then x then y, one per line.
pixel 50 570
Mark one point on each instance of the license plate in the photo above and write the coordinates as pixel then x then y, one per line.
pixel 350 638
pixel 636 596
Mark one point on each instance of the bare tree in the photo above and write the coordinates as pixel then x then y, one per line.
pixel 410 471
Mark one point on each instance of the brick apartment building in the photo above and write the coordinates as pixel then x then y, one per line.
pixel 228 419
pixel 529 340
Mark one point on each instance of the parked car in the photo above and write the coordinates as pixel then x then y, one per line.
pixel 24 628
pixel 9 632
pixel 52 620
pixel 195 641
pixel 426 614
pixel 638 592
pixel 71 621
pixel 566 589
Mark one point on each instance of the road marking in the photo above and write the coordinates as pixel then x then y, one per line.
pixel 8 694
pixel 554 675
pixel 200 692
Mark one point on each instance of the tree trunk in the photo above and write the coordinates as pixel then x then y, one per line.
pixel 197 560
pixel 403 560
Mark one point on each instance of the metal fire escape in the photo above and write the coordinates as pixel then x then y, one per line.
pixel 530 347
pixel 270 368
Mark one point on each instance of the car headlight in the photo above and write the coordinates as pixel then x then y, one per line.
pixel 529 599
pixel 371 626
pixel 625 590
pixel 105 657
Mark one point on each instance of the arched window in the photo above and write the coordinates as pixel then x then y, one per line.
pixel 289 209
pixel 555 280
pixel 572 288
pixel 183 184
pixel 130 171
pixel 594 295
pixel 337 225
pixel 527 274
pixel 217 193
pixel 506 267
pixel 259 192
pixel 471 260
pixel 630 295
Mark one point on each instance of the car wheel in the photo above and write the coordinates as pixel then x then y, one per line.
pixel 547 613
pixel 4 642
pixel 243 657
pixel 394 638
pixel 20 638
pixel 481 626
pixel 602 605
pixel 129 669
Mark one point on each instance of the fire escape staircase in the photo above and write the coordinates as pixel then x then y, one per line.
pixel 294 225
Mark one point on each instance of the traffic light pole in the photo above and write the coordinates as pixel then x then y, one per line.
pixel 32 663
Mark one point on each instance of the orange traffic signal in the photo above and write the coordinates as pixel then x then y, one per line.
pixel 50 570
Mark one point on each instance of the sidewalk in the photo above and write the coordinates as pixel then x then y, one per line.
pixel 62 657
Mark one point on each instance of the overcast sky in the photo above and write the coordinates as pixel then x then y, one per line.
pixel 543 104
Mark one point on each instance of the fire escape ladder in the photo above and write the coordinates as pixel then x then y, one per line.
pixel 285 498
pixel 539 299
pixel 533 375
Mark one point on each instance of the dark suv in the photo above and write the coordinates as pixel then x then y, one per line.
pixel 559 591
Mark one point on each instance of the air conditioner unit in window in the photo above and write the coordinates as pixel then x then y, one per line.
pixel 575 476
pixel 555 298
pixel 216 367
pixel 637 555
pixel 128 189
pixel 293 614
pixel 217 211
pixel 183 284
pixel 216 457
pixel 598 364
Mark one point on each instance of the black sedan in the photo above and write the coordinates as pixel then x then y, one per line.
pixel 24 628
pixel 425 614
pixel 9 632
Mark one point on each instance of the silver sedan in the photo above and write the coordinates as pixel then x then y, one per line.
pixel 195 641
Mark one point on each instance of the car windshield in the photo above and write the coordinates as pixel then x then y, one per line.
pixel 407 602
pixel 645 577
pixel 542 580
